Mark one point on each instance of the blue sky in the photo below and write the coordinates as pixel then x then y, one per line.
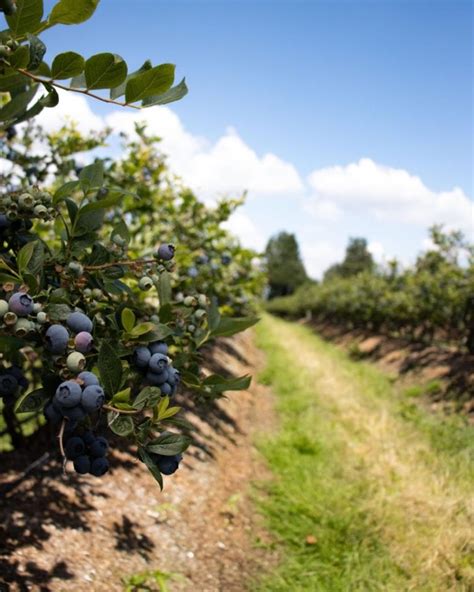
pixel 318 85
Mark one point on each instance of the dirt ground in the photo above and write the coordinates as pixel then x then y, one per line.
pixel 451 370
pixel 80 533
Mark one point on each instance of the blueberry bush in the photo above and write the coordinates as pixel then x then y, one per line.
pixel 112 275
pixel 433 300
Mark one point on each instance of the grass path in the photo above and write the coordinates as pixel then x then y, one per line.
pixel 370 493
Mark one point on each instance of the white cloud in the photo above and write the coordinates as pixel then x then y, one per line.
pixel 71 107
pixel 389 194
pixel 377 250
pixel 240 225
pixel 319 255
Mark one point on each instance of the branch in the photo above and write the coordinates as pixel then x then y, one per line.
pixel 124 411
pixel 114 264
pixel 61 445
pixel 34 465
pixel 77 90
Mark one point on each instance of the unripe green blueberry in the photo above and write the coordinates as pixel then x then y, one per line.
pixel 87 292
pixel 200 313
pixel 145 283
pixel 12 214
pixel 3 308
pixel 41 211
pixel 37 306
pixel 22 327
pixel 75 268
pixel 97 293
pixel 179 297
pixel 6 201
pixel 46 198
pixel 4 51
pixel 155 277
pixel 191 328
pixel 51 212
pixel 10 318
pixel 189 301
pixel 76 361
pixel 119 240
pixel 26 201
pixel 155 319
pixel 202 300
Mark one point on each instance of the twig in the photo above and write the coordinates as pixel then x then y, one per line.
pixel 61 444
pixel 127 262
pixel 124 411
pixel 77 90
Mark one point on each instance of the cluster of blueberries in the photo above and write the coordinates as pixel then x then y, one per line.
pixel 21 314
pixel 31 204
pixel 88 453
pixel 165 252
pixel 153 359
pixel 57 339
pixel 75 399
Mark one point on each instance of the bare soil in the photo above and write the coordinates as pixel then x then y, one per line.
pixel 413 363
pixel 79 533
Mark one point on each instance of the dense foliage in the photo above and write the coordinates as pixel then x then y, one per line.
pixel 357 259
pixel 112 275
pixel 434 299
pixel 285 269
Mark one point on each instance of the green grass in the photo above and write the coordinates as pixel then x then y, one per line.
pixel 342 475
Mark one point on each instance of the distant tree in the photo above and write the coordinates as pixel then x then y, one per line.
pixel 357 259
pixel 284 265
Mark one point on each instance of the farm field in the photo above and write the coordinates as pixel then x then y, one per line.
pixel 236 296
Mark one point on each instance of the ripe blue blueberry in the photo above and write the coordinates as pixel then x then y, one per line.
pixel 99 466
pixel 57 337
pixel 93 398
pixel 21 304
pixel 4 222
pixel 158 347
pixel 166 252
pixel 99 447
pixel 88 437
pixel 52 414
pixel 68 394
pixel 74 447
pixel 8 384
pixel 142 356
pixel 168 464
pixel 82 464
pixel 18 374
pixel 173 376
pixel 166 389
pixel 158 363
pixel 155 379
pixel 193 272
pixel 88 378
pixel 83 342
pixel 74 413
pixel 78 321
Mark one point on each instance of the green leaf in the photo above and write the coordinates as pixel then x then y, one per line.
pixel 67 65
pixel 58 312
pixel 164 288
pixel 173 94
pixel 8 343
pixel 147 397
pixel 169 444
pixel 219 384
pixel 213 315
pixel 27 17
pixel 18 103
pixel 128 319
pixel 122 425
pixel 149 83
pixel 142 329
pixel 32 401
pixel 105 70
pixel 37 51
pixel 148 460
pixel 51 99
pixel 122 397
pixel 229 326
pixel 65 191
pixel 24 256
pixel 92 176
pixel 20 57
pixel 79 81
pixel 72 12
pixel 119 90
pixel 110 368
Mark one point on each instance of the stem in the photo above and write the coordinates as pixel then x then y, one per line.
pixel 61 445
pixel 77 90
pixel 123 411
pixel 114 264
